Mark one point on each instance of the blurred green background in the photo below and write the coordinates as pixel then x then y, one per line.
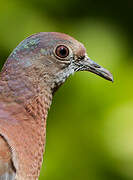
pixel 90 124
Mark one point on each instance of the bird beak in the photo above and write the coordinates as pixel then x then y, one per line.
pixel 88 65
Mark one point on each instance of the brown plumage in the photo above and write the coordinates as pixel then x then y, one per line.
pixel 30 76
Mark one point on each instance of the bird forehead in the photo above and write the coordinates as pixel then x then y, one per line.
pixel 43 43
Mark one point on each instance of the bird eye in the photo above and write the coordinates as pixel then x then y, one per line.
pixel 61 51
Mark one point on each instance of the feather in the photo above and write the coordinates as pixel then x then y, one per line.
pixel 8 176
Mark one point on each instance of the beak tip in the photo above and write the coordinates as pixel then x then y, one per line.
pixel 110 78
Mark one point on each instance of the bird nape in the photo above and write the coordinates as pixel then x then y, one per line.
pixel 32 73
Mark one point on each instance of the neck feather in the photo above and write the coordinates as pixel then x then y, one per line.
pixel 27 89
pixel 23 84
pixel 30 96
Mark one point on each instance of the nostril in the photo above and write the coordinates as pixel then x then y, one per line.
pixel 92 63
pixel 96 65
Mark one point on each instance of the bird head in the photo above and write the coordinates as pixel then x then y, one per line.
pixel 52 58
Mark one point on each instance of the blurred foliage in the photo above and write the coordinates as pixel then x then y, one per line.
pixel 90 124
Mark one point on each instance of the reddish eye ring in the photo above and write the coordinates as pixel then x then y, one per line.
pixel 61 51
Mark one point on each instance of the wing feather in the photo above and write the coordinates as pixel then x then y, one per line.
pixel 7 171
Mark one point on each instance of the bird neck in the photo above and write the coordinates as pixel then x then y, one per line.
pixel 25 88
pixel 38 106
pixel 27 96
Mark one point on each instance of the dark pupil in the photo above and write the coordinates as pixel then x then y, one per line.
pixel 63 52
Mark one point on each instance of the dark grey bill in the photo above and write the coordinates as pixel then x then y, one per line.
pixel 87 64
